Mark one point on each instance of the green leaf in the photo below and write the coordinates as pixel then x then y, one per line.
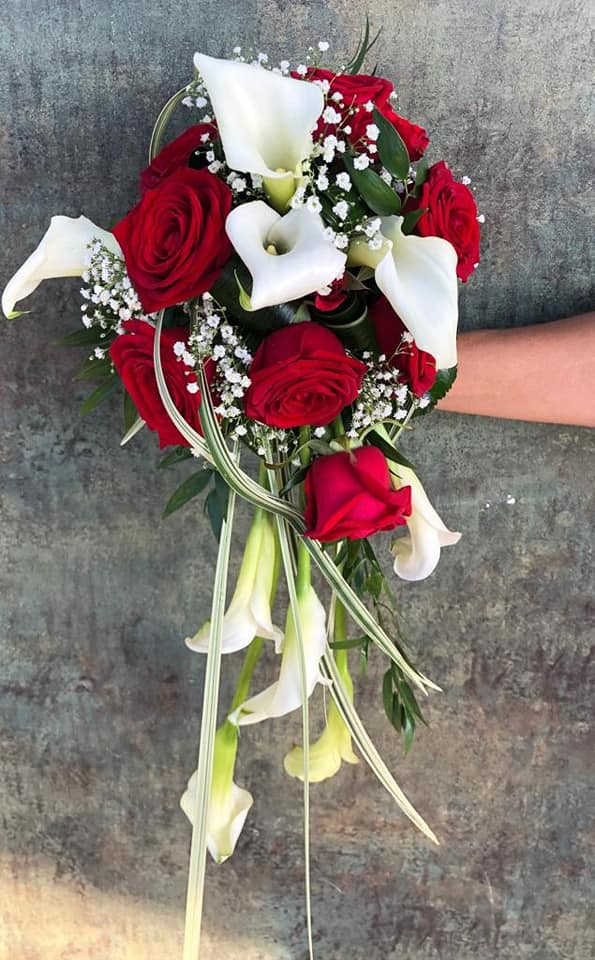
pixel 244 299
pixel 295 479
pixel 421 172
pixel 378 196
pixel 99 395
pixel 347 644
pixel 174 456
pixel 410 220
pixel 129 411
pixel 94 368
pixel 408 727
pixel 191 487
pixel 83 338
pixel 15 314
pixel 444 381
pixel 364 47
pixel 391 149
pixel 213 512
pixel 387 693
pixel 389 451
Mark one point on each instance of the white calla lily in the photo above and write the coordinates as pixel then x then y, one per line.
pixel 285 694
pixel 418 276
pixel 228 803
pixel 61 252
pixel 288 257
pixel 417 555
pixel 265 121
pixel 249 612
pixel 334 744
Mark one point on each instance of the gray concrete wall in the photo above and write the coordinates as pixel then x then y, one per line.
pixel 99 698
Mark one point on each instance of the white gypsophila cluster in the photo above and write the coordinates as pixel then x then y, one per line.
pixel 110 297
pixel 214 337
pixel 383 396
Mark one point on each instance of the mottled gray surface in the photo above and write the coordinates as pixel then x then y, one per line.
pixel 99 697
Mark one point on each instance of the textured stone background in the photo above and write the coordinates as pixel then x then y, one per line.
pixel 99 698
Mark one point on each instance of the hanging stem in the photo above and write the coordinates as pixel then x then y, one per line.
pixel 198 849
pixel 294 588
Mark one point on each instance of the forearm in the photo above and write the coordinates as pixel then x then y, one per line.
pixel 544 373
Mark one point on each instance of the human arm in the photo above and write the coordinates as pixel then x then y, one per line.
pixel 543 373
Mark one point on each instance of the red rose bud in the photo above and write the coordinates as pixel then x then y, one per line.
pixel 350 495
pixel 357 91
pixel 174 240
pixel 417 366
pixel 452 215
pixel 132 356
pixel 176 154
pixel 301 376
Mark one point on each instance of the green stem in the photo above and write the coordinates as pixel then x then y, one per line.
pixel 198 849
pixel 340 633
pixel 304 569
pixel 250 660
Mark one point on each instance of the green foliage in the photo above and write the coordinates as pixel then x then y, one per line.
pixel 129 412
pixel 391 149
pixel 410 220
pixel 364 47
pixel 377 195
pixel 400 705
pixel 174 457
pixel 101 393
pixel 444 381
pixel 216 504
pixel 82 338
pixel 190 488
pixel 389 450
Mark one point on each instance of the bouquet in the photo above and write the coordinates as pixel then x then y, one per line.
pixel 286 285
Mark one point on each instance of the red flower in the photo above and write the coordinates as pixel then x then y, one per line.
pixel 417 366
pixel 351 495
pixel 176 154
pixel 132 355
pixel 301 375
pixel 357 91
pixel 333 300
pixel 174 240
pixel 452 214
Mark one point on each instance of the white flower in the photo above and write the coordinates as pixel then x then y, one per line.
pixel 332 747
pixel 285 694
pixel 264 119
pixel 341 209
pixel 361 161
pixel 288 257
pixel 249 613
pixel 228 803
pixel 323 46
pixel 417 554
pixel 372 131
pixel 313 204
pixel 61 252
pixel 344 181
pixel 418 277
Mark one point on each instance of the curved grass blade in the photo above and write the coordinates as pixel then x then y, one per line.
pixel 198 849
pixel 162 122
pixel 366 746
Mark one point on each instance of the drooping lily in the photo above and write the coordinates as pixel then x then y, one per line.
pixel 61 252
pixel 418 276
pixel 265 121
pixel 288 257
pixel 228 803
pixel 249 613
pixel 285 694
pixel 417 554
pixel 334 744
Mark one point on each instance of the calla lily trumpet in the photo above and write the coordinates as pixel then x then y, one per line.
pixel 417 554
pixel 228 803
pixel 288 257
pixel 265 121
pixel 334 744
pixel 285 694
pixel 249 613
pixel 62 252
pixel 418 276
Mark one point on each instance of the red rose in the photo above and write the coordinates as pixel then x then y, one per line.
pixel 417 366
pixel 132 356
pixel 351 495
pixel 333 300
pixel 176 154
pixel 452 214
pixel 358 90
pixel 174 240
pixel 301 375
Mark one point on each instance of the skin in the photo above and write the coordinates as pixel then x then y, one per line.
pixel 543 373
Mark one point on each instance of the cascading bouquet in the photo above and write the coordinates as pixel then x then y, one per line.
pixel 287 283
